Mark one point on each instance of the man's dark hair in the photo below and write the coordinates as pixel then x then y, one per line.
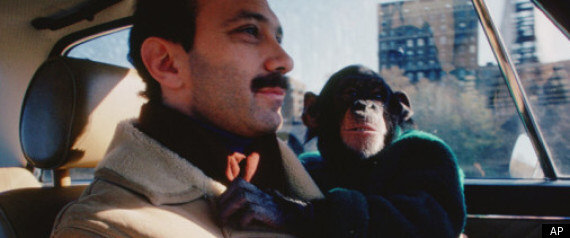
pixel 172 20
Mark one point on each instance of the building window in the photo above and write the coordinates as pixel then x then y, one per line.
pixel 421 42
pixel 420 75
pixel 410 75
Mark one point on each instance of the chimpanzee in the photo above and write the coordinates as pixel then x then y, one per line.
pixel 406 181
pixel 380 177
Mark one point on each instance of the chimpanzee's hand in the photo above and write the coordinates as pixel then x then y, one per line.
pixel 247 205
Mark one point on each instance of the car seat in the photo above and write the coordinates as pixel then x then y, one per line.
pixel 68 117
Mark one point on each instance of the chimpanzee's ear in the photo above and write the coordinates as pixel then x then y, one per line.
pixel 402 98
pixel 310 114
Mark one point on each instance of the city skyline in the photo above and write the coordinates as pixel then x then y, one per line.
pixel 319 51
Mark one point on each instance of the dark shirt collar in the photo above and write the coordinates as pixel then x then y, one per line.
pixel 232 141
pixel 179 124
pixel 186 137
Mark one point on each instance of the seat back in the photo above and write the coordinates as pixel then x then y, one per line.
pixel 16 177
pixel 31 212
pixel 70 111
pixel 68 117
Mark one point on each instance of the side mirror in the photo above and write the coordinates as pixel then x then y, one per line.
pixel 524 162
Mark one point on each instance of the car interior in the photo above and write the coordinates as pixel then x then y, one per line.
pixel 59 111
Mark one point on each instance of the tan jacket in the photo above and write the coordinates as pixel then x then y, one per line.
pixel 141 189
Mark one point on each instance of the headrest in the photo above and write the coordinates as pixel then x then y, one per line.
pixel 71 108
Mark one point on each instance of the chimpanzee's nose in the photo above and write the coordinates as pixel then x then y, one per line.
pixel 359 105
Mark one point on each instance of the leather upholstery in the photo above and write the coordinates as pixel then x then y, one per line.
pixel 16 177
pixel 30 212
pixel 56 107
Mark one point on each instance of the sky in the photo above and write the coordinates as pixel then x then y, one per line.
pixel 321 40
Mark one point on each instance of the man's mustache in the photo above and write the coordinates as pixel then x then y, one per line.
pixel 270 81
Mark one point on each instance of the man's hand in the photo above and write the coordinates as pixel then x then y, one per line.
pixel 246 205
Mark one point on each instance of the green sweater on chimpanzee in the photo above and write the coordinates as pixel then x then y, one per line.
pixel 412 188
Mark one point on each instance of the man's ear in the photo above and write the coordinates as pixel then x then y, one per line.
pixel 310 114
pixel 406 112
pixel 159 58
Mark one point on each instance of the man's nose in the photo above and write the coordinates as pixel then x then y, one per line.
pixel 279 60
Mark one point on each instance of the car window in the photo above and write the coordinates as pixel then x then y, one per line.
pixel 111 48
pixel 437 53
pixel 541 54
pixel 78 176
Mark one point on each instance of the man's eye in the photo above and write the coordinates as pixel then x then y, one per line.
pixel 279 38
pixel 252 30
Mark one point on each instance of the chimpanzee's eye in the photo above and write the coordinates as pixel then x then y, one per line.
pixel 353 94
pixel 377 96
pixel 349 94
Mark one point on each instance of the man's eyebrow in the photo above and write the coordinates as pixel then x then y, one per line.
pixel 245 15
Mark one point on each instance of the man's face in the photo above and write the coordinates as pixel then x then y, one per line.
pixel 237 41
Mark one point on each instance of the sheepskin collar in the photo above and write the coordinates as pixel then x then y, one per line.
pixel 139 163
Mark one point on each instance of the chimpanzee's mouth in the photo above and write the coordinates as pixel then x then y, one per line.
pixel 361 128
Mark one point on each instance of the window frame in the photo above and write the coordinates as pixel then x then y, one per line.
pixel 65 44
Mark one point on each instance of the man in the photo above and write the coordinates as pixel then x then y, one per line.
pixel 214 74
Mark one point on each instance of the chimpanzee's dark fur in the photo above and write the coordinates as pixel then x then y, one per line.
pixel 411 188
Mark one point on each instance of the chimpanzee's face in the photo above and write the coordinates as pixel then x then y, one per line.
pixel 356 113
pixel 363 126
